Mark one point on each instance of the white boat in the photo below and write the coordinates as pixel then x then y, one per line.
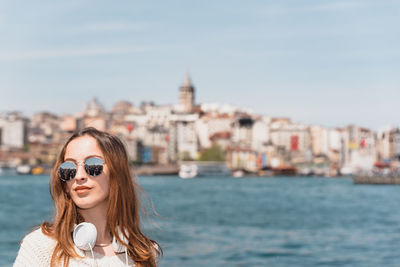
pixel 187 171
pixel 346 170
pixel 24 169
pixel 237 173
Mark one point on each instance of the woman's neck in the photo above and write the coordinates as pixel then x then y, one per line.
pixel 98 217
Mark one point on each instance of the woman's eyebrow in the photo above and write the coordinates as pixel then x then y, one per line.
pixel 93 156
pixel 89 156
pixel 70 159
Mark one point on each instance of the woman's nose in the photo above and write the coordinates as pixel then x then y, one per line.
pixel 80 172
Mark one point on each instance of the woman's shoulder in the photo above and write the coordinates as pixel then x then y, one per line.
pixel 38 237
pixel 36 247
pixel 157 251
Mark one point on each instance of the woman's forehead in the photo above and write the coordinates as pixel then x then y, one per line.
pixel 80 147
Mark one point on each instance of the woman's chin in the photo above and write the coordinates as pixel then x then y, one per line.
pixel 88 203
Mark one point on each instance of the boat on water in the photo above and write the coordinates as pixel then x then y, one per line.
pixel 203 168
pixel 381 176
pixel 237 173
pixel 212 168
pixel 37 170
pixel 187 171
pixel 23 169
pixel 360 179
pixel 284 170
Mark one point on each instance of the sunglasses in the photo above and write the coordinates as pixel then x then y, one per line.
pixel 67 170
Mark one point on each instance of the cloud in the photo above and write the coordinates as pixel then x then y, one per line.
pixel 72 52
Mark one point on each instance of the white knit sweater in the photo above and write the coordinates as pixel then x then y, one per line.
pixel 36 250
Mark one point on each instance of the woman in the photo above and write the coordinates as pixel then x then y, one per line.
pixel 91 182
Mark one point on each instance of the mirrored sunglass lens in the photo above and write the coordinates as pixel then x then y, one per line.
pixel 67 171
pixel 94 166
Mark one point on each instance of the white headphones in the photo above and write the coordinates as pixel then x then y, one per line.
pixel 85 235
pixel 117 246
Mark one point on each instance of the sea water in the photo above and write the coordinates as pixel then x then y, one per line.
pixel 222 221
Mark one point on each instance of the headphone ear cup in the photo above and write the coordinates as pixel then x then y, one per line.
pixel 117 246
pixel 84 236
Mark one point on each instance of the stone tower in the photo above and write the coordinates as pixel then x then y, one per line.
pixel 186 95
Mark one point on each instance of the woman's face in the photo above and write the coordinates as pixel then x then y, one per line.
pixel 86 191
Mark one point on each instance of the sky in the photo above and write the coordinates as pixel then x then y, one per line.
pixel 330 63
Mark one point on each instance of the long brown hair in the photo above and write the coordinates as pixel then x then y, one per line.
pixel 123 205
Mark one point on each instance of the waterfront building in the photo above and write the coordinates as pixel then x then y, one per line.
pixel 319 140
pixel 13 131
pixel 68 123
pixel 218 123
pixel 243 130
pixel 183 137
pixel 383 145
pixel 279 122
pixel 43 127
pixel 202 129
pixel 394 144
pixel 149 154
pixel 157 138
pixel 260 133
pixel 361 148
pixel 269 155
pixel 218 109
pixel 43 152
pixel 213 125
pixel 388 145
pixel 120 110
pixel 241 158
pixel 118 123
pixel 337 147
pixel 222 139
pixel 131 147
pixel 150 125
pixel 134 133
pixel 94 108
pixel 100 123
pixel 294 138
pixel 94 115
pixel 138 125
pixel 157 115
pixel 250 147
pixel 335 139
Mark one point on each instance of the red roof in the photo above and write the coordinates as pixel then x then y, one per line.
pixel 221 135
pixel 380 164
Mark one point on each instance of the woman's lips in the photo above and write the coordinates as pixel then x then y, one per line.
pixel 82 189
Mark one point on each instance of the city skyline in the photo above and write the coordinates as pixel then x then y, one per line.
pixel 331 64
